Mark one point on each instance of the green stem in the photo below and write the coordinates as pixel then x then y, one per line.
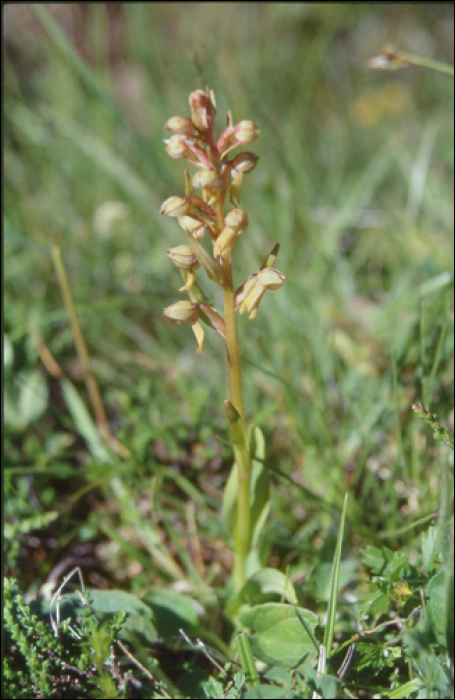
pixel 232 343
pixel 241 450
pixel 232 337
pixel 239 439
pixel 426 62
pixel 243 526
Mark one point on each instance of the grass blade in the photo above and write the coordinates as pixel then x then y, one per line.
pixel 329 630
pixel 247 660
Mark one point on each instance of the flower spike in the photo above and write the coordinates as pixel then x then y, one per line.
pixel 219 177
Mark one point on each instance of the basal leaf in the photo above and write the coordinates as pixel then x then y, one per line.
pixel 278 635
pixel 266 585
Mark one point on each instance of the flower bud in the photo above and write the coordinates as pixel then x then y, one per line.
pixel 183 257
pixel 175 206
pixel 237 219
pixel 182 311
pixel 177 147
pixel 244 162
pixel 223 244
pixel 194 226
pixel 206 179
pixel 198 155
pixel 186 206
pixel 202 110
pixel 245 132
pixel 200 207
pixel 181 125
pixel 224 139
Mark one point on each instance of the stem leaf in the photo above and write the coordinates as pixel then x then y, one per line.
pixel 213 270
pixel 259 489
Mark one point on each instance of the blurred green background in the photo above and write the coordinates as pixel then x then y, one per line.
pixel 355 181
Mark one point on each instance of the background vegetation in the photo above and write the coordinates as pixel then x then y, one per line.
pixel 355 181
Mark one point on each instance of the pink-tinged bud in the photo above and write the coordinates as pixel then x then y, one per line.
pixel 183 147
pixel 181 312
pixel 244 162
pixel 202 110
pixel 186 206
pixel 181 125
pixel 200 207
pixel 176 147
pixel 206 179
pixel 199 155
pixel 245 132
pixel 237 219
pixel 224 138
pixel 183 257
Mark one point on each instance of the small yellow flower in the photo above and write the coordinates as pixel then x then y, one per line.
pixel 249 295
pixel 235 223
pixel 183 257
pixel 223 244
pixel 184 311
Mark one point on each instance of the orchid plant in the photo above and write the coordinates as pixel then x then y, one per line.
pixel 219 176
